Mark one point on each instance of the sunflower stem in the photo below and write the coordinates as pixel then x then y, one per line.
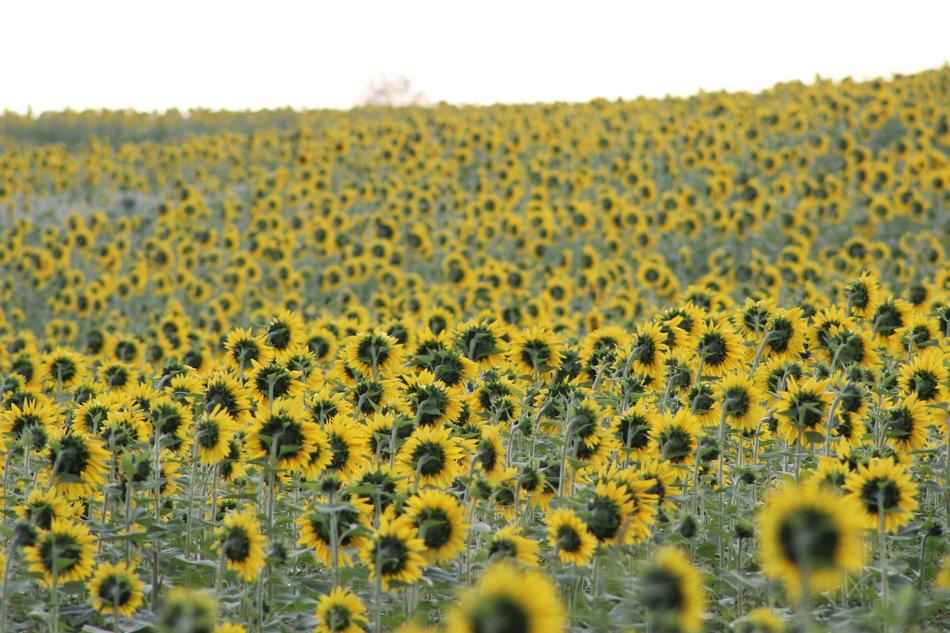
pixel 115 612
pixel 54 592
pixel 882 546
pixel 334 544
pixel 128 520
pixel 7 568
pixel 191 497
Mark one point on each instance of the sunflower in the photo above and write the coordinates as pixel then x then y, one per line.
pixel 480 340
pixel 862 295
pixel 430 456
pixel 430 400
pixel 240 543
pixel 395 552
pixel 77 464
pixel 222 389
pixel 643 503
pixel 925 375
pixel 535 351
pixel 284 332
pixel 887 318
pixel 907 423
pixel 352 523
pixel 601 349
pixel 232 468
pixel 446 363
pixel 830 474
pixel 884 490
pixel 718 349
pixel 172 422
pixel 810 538
pixel 647 350
pixel 379 488
pixel 44 507
pixel 325 406
pixel 919 334
pixel 803 410
pixel 701 403
pixel 740 401
pixel 244 348
pixel 674 437
pixel 30 424
pixel 570 538
pixel 369 396
pixel 341 611
pixel 508 599
pixel 272 381
pixel 632 428
pixel 64 368
pixel 772 376
pixel 671 591
pixel 213 434
pixel 66 550
pixel 755 316
pixel 188 610
pixel 490 453
pixel 321 342
pixel 584 429
pixel 349 448
pixel 662 477
pixel 115 588
pixel 438 518
pixel 495 397
pixel 784 334
pixel 608 512
pixel 283 436
pixel 373 353
pixel 124 427
pixel 319 456
pixel 507 542
pixel 849 347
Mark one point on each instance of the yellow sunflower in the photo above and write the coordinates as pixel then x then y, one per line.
pixel 394 552
pixel 883 490
pixel 240 542
pixel 507 596
pixel 671 591
pixel 570 538
pixel 810 538
pixel 66 550
pixel 439 519
pixel 115 588
pixel 341 611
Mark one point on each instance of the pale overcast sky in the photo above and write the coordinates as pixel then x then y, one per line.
pixel 150 54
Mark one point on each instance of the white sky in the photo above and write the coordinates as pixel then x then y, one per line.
pixel 151 54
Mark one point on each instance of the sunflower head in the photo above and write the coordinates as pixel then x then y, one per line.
pixel 189 611
pixel 810 538
pixel 115 588
pixel 508 599
pixel 671 591
pixel 340 611
pixel 62 554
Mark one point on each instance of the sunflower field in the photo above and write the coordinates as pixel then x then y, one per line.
pixel 650 365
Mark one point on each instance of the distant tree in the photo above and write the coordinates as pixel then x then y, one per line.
pixel 391 91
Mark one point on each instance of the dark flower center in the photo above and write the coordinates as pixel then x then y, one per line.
pixel 429 458
pixel 434 527
pixel 880 490
pixel 809 538
pixel 499 614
